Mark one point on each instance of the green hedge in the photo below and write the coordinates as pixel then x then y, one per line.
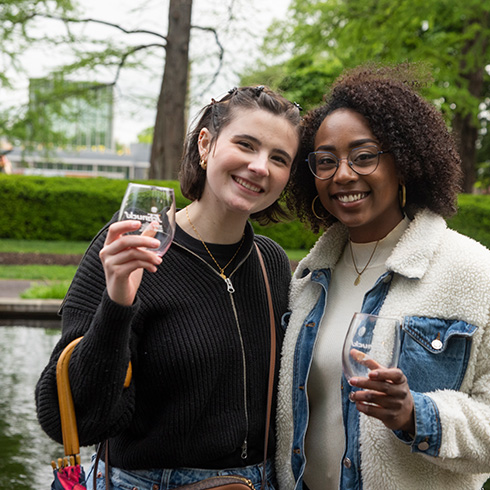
pixel 65 208
pixel 60 208
pixel 473 217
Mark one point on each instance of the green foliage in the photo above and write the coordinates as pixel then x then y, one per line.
pixel 69 90
pixel 146 136
pixel 38 272
pixel 74 210
pixel 323 37
pixel 473 217
pixel 60 208
pixel 291 235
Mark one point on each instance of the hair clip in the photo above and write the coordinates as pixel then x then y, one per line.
pixel 258 90
pixel 233 90
pixel 297 106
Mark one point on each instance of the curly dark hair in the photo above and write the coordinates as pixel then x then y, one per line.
pixel 216 116
pixel 414 131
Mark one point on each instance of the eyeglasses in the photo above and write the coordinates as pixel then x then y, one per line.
pixel 363 161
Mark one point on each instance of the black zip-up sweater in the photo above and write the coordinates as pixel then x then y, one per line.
pixel 185 404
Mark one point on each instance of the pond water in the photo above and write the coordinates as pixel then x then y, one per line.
pixel 25 450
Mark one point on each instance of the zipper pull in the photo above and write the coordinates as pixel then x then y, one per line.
pixel 244 454
pixel 230 288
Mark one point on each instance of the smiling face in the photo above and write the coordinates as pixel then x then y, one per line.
pixel 367 204
pixel 248 165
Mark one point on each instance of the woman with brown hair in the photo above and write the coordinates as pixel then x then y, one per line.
pixel 194 323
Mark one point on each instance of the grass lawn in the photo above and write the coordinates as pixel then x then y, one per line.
pixel 38 272
pixel 55 279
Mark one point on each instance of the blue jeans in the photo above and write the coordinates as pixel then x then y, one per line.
pixel 168 479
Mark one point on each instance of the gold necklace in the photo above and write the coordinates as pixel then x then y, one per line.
pixel 221 269
pixel 359 274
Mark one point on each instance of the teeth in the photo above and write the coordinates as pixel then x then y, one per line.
pixel 247 185
pixel 351 197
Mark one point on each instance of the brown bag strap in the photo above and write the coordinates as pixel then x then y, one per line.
pixel 272 364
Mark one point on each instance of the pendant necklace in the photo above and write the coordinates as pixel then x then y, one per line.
pixel 221 269
pixel 359 273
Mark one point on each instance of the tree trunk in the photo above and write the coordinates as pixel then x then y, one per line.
pixel 170 124
pixel 465 126
pixel 466 134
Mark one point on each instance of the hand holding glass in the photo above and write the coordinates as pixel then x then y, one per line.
pixel 363 344
pixel 154 207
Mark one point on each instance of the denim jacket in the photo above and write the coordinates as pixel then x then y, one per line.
pixel 438 284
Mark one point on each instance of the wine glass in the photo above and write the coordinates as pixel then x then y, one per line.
pixel 370 337
pixel 154 207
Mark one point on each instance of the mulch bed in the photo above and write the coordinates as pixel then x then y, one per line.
pixel 16 258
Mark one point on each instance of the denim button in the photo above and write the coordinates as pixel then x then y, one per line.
pixel 155 487
pixel 310 324
pixel 423 446
pixel 436 344
pixel 347 462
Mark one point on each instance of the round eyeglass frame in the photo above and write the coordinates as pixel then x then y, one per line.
pixel 349 161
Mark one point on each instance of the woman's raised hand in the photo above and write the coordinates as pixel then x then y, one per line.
pixel 386 396
pixel 124 257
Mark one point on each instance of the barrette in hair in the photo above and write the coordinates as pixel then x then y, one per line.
pixel 297 106
pixel 233 90
pixel 258 90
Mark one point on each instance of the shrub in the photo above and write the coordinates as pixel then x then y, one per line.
pixel 473 218
pixel 60 208
pixel 74 209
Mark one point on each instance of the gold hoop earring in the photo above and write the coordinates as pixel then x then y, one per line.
pixel 402 195
pixel 203 164
pixel 321 218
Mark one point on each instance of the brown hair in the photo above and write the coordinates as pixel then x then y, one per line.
pixel 217 115
pixel 406 124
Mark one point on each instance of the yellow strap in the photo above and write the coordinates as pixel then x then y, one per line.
pixel 65 399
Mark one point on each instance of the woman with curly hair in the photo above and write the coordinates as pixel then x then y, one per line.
pixel 380 175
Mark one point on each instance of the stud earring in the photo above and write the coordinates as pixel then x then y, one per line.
pixel 203 163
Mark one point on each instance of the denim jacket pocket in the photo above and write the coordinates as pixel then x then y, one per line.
pixel 435 352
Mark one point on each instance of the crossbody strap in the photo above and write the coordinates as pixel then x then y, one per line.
pixel 272 364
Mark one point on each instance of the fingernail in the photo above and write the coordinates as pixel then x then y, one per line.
pixel 351 396
pixel 155 243
pixel 353 381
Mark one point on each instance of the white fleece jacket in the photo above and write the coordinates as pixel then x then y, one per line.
pixel 438 274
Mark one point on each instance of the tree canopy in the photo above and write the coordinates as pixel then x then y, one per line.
pixel 324 37
pixel 60 26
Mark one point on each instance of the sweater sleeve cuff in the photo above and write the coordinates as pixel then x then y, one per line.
pixel 113 321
